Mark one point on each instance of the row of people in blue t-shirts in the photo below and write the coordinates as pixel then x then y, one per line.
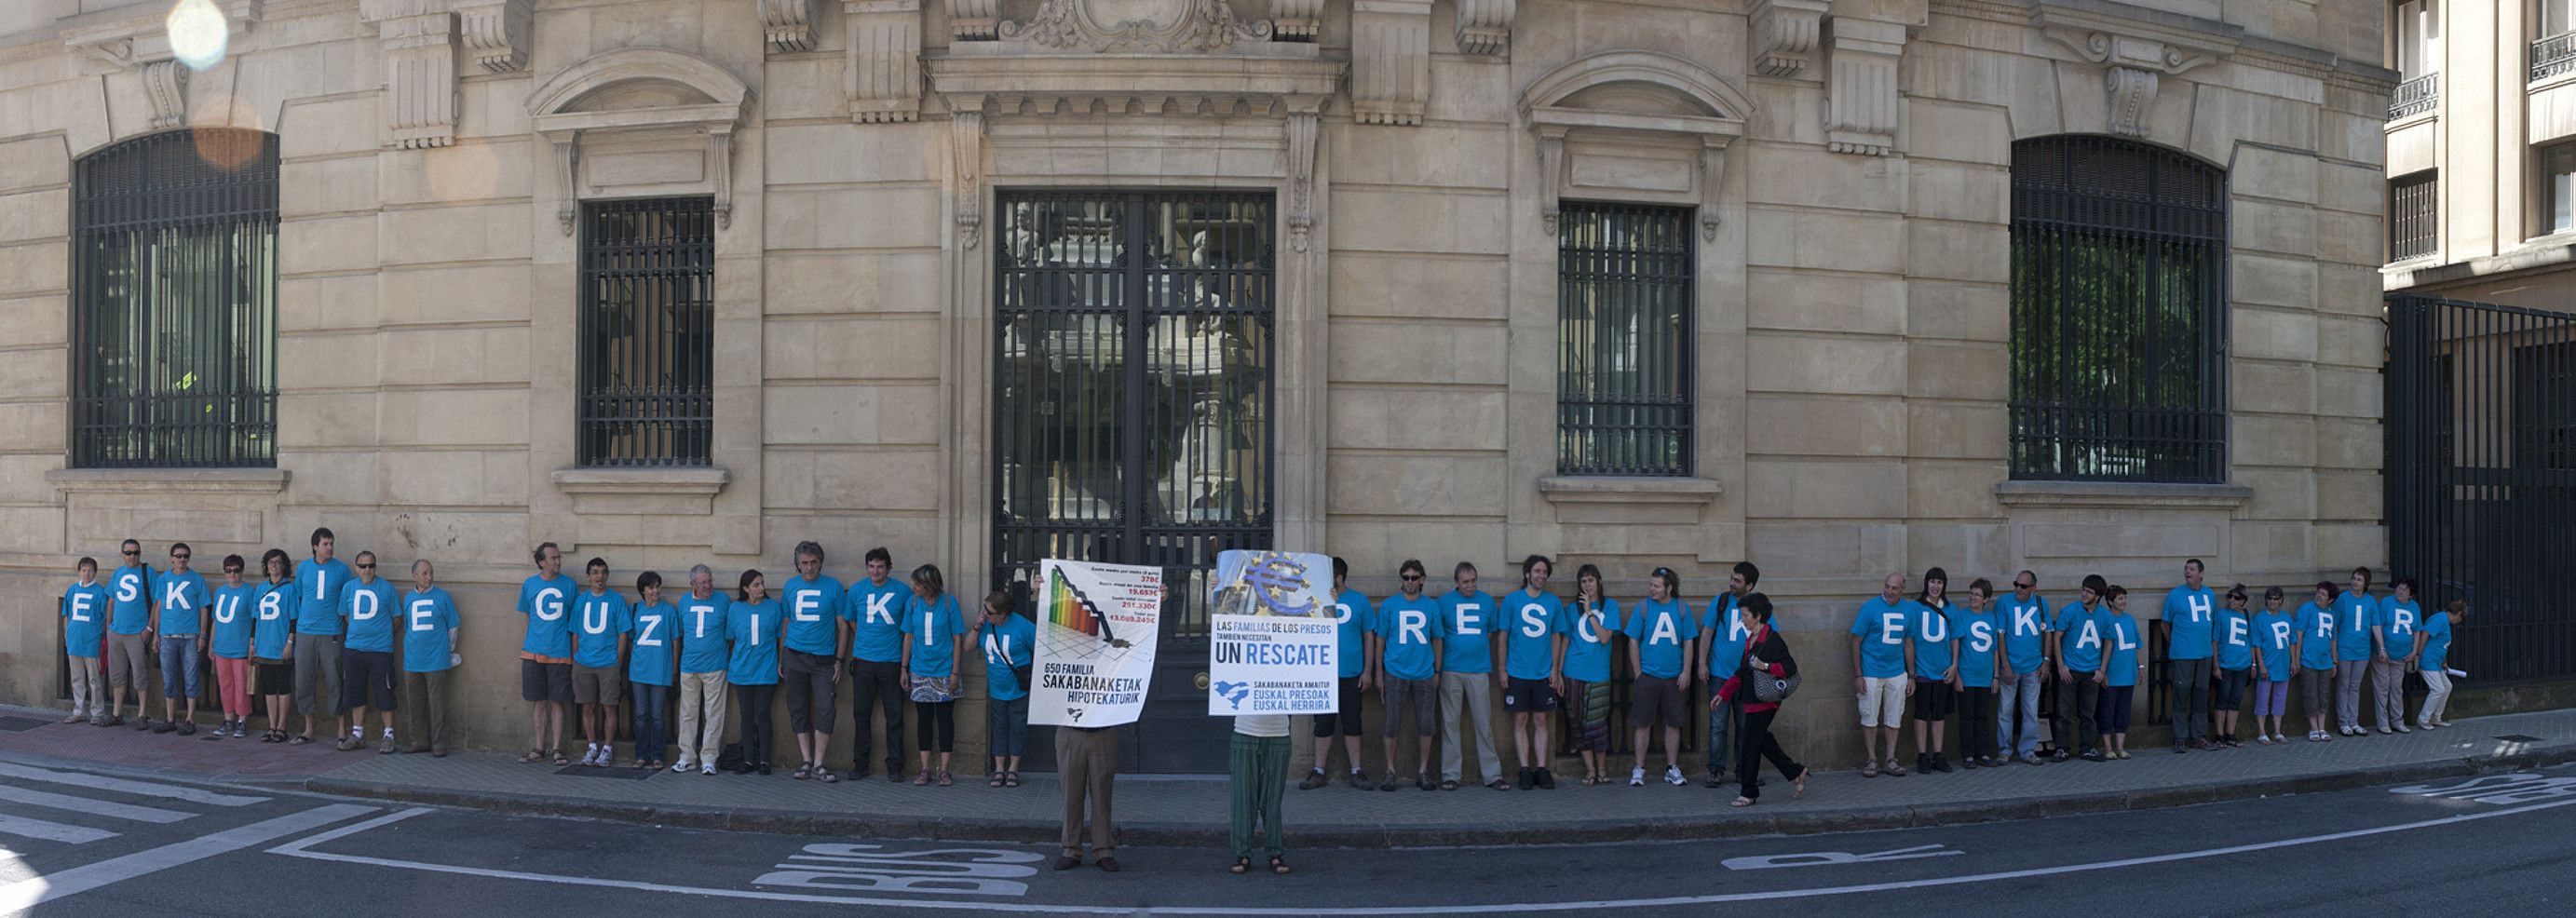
pixel 1989 658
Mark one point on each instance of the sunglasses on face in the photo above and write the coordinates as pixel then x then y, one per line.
pixel 2024 586
pixel 131 552
pixel 182 556
pixel 366 567
pixel 1409 578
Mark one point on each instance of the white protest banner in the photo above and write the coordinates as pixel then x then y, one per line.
pixel 1095 647
pixel 1271 635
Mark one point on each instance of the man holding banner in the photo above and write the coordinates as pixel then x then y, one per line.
pixel 1097 625
pixel 1274 640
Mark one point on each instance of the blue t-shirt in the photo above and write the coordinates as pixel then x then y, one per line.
pixel 1466 619
pixel 85 611
pixel 657 631
pixel 1529 647
pixel 2190 612
pixel 1587 641
pixel 1353 620
pixel 1724 632
pixel 429 630
pixel 814 615
pixel 928 627
pixel 1979 639
pixel 274 618
pixel 2121 631
pixel 599 619
pixel 183 597
pixel 1007 645
pixel 1882 627
pixel 2397 622
pixel 544 602
pixel 2437 643
pixel 369 609
pixel 1408 626
pixel 1932 637
pixel 2235 637
pixel 234 619
pixel 2316 637
pixel 1660 628
pixel 2080 644
pixel 702 632
pixel 2274 632
pixel 130 588
pixel 317 595
pixel 2025 628
pixel 876 614
pixel 755 629
pixel 2355 614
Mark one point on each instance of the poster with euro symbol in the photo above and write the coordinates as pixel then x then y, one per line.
pixel 1271 630
pixel 1095 644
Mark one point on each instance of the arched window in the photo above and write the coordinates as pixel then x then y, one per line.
pixel 174 302
pixel 2119 332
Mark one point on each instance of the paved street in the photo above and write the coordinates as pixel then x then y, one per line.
pixel 86 843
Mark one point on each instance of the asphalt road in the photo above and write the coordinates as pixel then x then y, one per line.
pixel 85 843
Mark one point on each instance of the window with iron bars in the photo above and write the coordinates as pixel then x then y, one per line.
pixel 174 292
pixel 1624 350
pixel 2414 212
pixel 647 332
pixel 2119 253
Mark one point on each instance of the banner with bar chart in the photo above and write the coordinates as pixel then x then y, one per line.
pixel 1095 645
pixel 1272 634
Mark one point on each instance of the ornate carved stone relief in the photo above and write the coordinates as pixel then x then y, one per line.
pixel 790 24
pixel 1169 26
pixel 1390 60
pixel 883 73
pixel 165 83
pixel 143 43
pixel 2135 55
pixel 1784 32
pixel 420 70
pixel 1301 179
pixel 966 141
pixel 496 33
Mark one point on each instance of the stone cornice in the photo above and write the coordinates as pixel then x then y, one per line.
pixel 136 481
pixel 2121 494
pixel 1220 85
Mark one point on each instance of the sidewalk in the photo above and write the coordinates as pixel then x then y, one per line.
pixel 1192 811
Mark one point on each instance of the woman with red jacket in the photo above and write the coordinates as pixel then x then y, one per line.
pixel 1766 653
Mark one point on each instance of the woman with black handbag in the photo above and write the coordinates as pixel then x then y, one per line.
pixel 1766 676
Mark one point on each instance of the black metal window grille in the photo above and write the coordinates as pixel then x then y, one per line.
pixel 2553 55
pixel 174 322
pixel 2119 331
pixel 647 332
pixel 2415 96
pixel 2414 215
pixel 1624 354
pixel 2481 440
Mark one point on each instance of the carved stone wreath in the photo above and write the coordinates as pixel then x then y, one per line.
pixel 1159 25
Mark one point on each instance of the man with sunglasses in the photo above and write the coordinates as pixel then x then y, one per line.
pixel 181 600
pixel 369 605
pixel 2025 627
pixel 1408 624
pixel 129 636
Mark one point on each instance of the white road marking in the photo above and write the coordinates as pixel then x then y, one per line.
pixel 107 808
pixel 300 849
pixel 38 890
pixel 123 786
pixel 51 831
pixel 1823 858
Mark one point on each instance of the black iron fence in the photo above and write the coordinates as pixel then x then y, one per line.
pixel 2481 476
pixel 2553 55
pixel 2415 96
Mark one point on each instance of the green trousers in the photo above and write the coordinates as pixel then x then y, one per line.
pixel 1258 766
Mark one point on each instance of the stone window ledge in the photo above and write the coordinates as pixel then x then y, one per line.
pixel 701 481
pixel 166 481
pixel 2122 494
pixel 1622 489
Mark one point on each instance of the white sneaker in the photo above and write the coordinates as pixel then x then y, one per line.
pixel 681 768
pixel 590 757
pixel 1637 776
pixel 1673 776
pixel 2401 728
pixel 707 770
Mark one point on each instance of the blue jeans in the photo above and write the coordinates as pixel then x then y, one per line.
pixel 183 670
pixel 652 706
pixel 1006 726
pixel 1721 723
pixel 2017 715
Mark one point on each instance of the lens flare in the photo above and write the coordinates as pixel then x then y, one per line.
pixel 198 33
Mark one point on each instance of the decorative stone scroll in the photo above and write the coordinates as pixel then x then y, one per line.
pixel 1390 60
pixel 975 20
pixel 790 24
pixel 1485 26
pixel 165 84
pixel 142 42
pixel 2135 55
pixel 420 70
pixel 966 142
pixel 1167 26
pixel 496 33
pixel 1301 179
pixel 1784 32
pixel 1295 20
pixel 883 73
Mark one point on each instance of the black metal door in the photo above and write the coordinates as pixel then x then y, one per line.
pixel 1132 415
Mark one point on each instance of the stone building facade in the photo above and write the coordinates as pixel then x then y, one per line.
pixel 1666 282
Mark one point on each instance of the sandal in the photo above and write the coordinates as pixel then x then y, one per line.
pixel 559 758
pixel 995 780
pixel 945 779
pixel 803 772
pixel 1241 865
pixel 300 739
pixel 826 775
pixel 1013 780
pixel 533 756
pixel 1742 802
pixel 1798 788
pixel 922 779
pixel 1869 769
pixel 1279 866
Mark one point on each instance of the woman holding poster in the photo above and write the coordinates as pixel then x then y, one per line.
pixel 1257 766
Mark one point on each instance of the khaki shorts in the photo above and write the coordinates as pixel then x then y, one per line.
pixel 1882 704
pixel 597 685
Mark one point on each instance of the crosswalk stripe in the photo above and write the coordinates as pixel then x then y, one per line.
pixel 107 808
pixel 123 786
pixel 51 831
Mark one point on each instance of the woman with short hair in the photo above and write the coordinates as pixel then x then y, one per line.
pixel 1765 656
pixel 934 647
pixel 272 641
pixel 755 625
pixel 1595 618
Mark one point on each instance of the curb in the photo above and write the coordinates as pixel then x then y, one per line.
pixel 1723 824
